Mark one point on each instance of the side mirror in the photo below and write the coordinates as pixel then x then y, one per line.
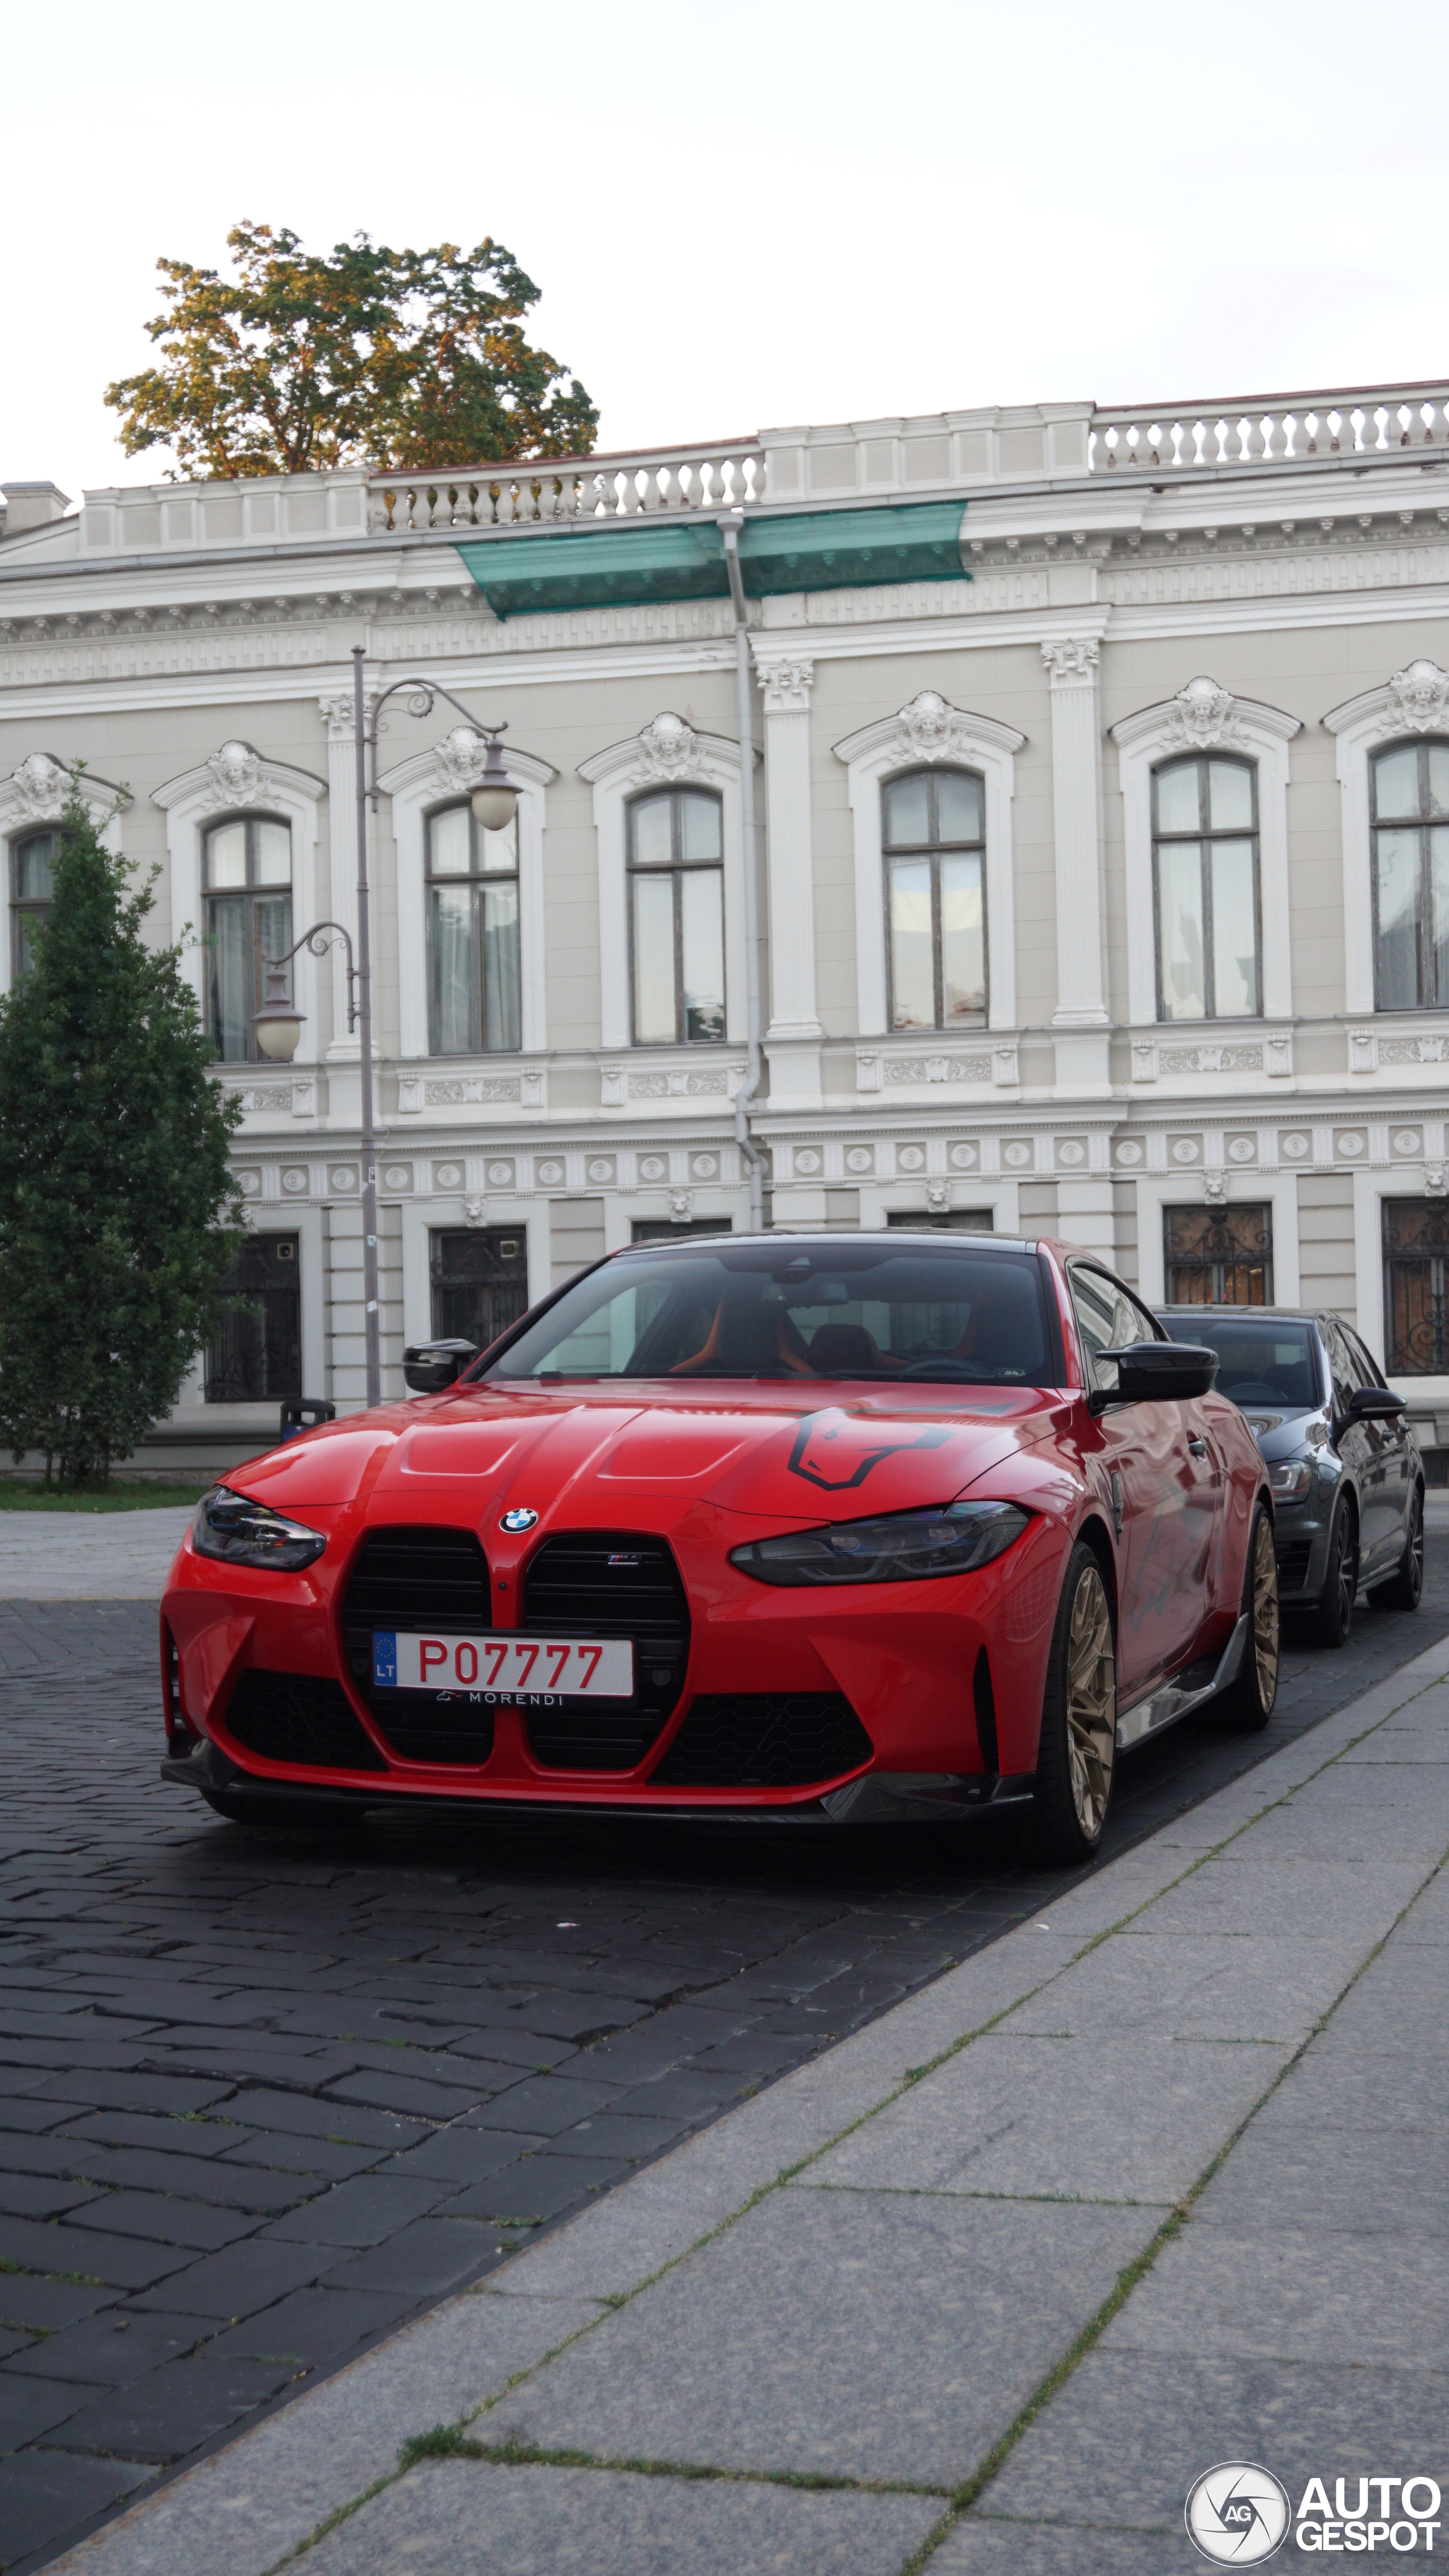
pixel 431 1366
pixel 1158 1373
pixel 1375 1404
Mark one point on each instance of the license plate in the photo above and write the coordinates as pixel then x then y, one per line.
pixel 505 1667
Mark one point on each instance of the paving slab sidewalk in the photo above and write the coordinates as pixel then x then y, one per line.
pixel 89 1556
pixel 833 2331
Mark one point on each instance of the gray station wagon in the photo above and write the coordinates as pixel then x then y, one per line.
pixel 1344 1467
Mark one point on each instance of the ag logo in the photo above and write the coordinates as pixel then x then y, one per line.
pixel 1237 2515
pixel 520 1518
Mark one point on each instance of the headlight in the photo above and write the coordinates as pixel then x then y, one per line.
pixel 900 1547
pixel 1289 1481
pixel 242 1532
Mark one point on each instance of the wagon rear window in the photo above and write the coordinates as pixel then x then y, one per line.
pixel 859 1310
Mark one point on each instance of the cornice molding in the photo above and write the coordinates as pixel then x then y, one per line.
pixel 1414 700
pixel 929 728
pixel 667 753
pixel 236 777
pixel 1203 717
pixel 453 766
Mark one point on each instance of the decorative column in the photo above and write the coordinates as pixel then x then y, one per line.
pixel 794 1032
pixel 1080 1018
pixel 341 903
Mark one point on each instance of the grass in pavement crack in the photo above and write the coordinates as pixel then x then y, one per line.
pixel 450 2442
pixel 1126 2282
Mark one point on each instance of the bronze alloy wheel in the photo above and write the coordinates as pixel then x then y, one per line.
pixel 1265 1610
pixel 1092 1698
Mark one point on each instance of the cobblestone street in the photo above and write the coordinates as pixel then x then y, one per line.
pixel 261 2099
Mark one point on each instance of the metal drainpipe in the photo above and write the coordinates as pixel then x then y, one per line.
pixel 753 1159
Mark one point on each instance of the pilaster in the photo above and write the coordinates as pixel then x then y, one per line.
pixel 337 715
pixel 786 681
pixel 1080 1018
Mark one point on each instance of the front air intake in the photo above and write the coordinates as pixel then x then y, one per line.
pixel 608 1583
pixel 301 1718
pixel 764 1740
pixel 410 1578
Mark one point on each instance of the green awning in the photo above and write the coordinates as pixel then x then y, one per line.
pixel 844 549
pixel 633 566
pixel 628 567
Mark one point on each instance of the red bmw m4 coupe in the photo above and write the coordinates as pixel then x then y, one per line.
pixel 808 1528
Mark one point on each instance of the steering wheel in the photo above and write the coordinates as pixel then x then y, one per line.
pixel 950 1369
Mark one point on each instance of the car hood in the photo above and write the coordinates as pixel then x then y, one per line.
pixel 605 1455
pixel 1281 1433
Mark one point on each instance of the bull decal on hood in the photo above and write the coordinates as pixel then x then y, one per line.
pixel 839 1470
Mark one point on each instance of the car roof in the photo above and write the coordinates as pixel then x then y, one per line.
pixel 1260 1314
pixel 822 1242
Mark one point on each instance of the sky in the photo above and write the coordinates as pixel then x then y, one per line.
pixel 761 213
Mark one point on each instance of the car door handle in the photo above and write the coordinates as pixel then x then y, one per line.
pixel 1198 1447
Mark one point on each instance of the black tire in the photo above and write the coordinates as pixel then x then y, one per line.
pixel 1247 1703
pixel 1331 1619
pixel 1076 1759
pixel 274 1814
pixel 1403 1588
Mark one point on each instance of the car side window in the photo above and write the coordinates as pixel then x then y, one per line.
pixel 1340 1361
pixel 1107 1319
pixel 1370 1374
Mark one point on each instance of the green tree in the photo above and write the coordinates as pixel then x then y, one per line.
pixel 117 1209
pixel 405 358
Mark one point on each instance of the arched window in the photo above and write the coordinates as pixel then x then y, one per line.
pixel 934 844
pixel 1409 816
pixel 473 979
pixel 1205 873
pixel 676 917
pixel 248 893
pixel 32 861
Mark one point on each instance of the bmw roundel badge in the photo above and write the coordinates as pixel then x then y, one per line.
pixel 520 1518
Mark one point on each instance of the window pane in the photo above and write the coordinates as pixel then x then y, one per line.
pixel 228 929
pixel 500 966
pixel 1439 896
pixel 1177 798
pixel 654 1020
pixel 1230 795
pixel 913 991
pixel 499 850
pixel 699 827
pixel 453 967
pixel 1398 890
pixel 1438 778
pixel 958 805
pixel 963 942
pixel 1235 930
pixel 1179 930
pixel 274 854
pixel 272 933
pixel 702 899
pixel 1396 784
pixel 226 856
pixel 449 842
pixel 649 823
pixel 34 860
pixel 906 811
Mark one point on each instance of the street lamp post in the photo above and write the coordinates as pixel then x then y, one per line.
pixel 494 801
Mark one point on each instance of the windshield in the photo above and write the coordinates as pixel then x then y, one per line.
pixel 862 1309
pixel 1263 1362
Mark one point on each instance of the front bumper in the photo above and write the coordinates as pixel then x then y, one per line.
pixel 901 1662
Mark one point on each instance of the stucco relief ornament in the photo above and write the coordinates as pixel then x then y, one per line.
pixel 461 755
pixel 238 773
pixel 1418 697
pixel 929 724
pixel 1202 716
pixel 39 788
pixel 1073 661
pixel 670 749
pixel 787 683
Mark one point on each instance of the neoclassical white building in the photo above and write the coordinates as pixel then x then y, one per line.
pixel 1087 853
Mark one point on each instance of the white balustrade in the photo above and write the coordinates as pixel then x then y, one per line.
pixel 722 475
pixel 1286 429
